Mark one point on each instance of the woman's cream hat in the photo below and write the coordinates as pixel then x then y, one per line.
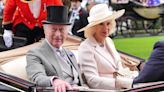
pixel 100 13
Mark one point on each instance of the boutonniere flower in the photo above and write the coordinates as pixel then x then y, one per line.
pixel 80 13
pixel 71 54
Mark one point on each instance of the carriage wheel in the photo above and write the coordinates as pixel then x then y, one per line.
pixel 153 27
pixel 128 26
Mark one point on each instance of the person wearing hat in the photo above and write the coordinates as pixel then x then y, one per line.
pixel 98 58
pixel 78 17
pixel 50 64
pixel 22 18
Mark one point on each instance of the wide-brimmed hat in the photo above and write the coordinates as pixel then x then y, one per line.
pixel 57 15
pixel 100 13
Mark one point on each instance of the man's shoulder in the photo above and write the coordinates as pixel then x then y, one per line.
pixel 84 11
pixel 161 41
pixel 159 44
pixel 36 49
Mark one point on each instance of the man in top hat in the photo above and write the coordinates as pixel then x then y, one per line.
pixel 78 17
pixel 23 18
pixel 50 64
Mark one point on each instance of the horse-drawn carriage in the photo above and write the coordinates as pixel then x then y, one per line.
pixel 13 74
pixel 140 16
pixel 13 62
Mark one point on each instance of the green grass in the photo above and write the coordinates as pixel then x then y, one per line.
pixel 140 46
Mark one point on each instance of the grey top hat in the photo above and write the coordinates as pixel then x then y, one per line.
pixel 57 15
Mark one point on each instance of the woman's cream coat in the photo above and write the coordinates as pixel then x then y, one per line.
pixel 97 67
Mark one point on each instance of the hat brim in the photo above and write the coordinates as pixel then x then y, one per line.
pixel 77 0
pixel 48 22
pixel 115 15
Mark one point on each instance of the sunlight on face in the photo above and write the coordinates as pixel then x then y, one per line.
pixel 56 34
pixel 102 30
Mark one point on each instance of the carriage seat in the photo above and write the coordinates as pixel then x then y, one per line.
pixel 16 67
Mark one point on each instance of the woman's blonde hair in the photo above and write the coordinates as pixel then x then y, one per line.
pixel 91 31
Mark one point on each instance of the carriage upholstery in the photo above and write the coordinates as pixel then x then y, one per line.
pixel 16 67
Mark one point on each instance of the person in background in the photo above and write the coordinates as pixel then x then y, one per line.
pixel 1 8
pixel 23 18
pixel 153 70
pixel 67 3
pixel 100 63
pixel 50 64
pixel 78 17
pixel 90 4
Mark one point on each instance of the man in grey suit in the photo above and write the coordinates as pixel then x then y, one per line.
pixel 50 64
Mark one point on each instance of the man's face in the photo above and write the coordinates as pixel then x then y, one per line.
pixel 55 34
pixel 75 4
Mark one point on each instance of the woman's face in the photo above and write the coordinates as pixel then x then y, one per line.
pixel 102 30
